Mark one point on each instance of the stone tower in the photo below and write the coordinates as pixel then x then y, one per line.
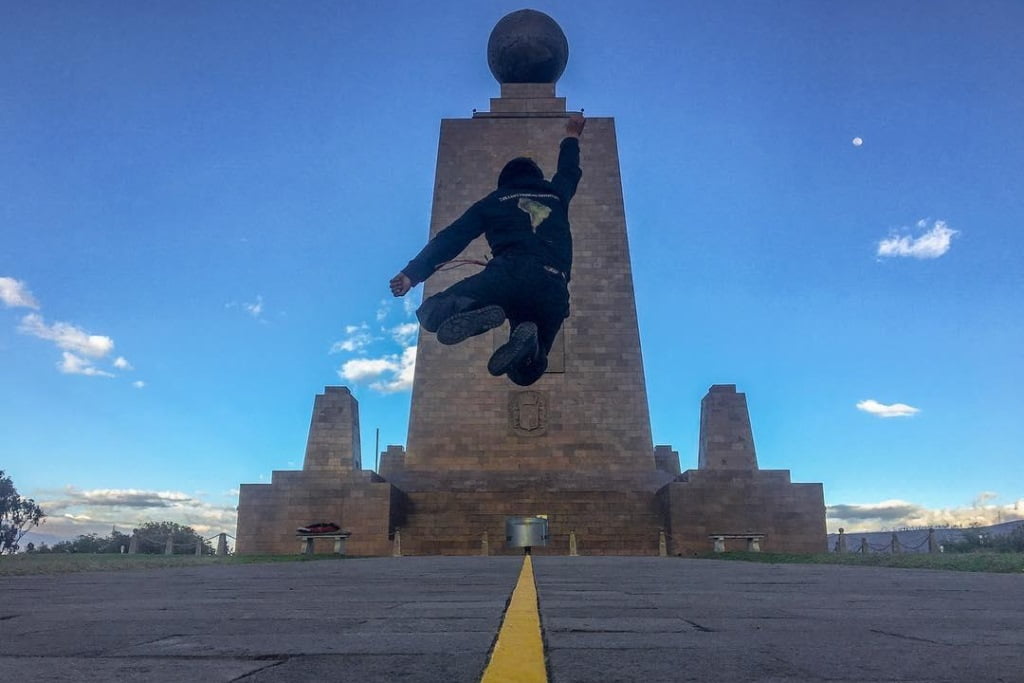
pixel 333 442
pixel 576 446
pixel 589 412
pixel 726 440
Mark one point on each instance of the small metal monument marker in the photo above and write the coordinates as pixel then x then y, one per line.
pixel 526 532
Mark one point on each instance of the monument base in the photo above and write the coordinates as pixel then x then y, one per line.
pixel 360 502
pixel 702 504
pixel 454 514
pixel 462 511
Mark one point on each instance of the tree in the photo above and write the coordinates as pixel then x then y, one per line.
pixel 94 543
pixel 153 537
pixel 17 515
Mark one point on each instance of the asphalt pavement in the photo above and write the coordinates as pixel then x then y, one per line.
pixel 436 619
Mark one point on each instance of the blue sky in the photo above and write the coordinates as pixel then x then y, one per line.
pixel 217 193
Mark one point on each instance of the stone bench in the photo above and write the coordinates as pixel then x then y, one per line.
pixel 306 548
pixel 753 541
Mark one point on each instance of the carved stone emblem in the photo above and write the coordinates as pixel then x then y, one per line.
pixel 527 411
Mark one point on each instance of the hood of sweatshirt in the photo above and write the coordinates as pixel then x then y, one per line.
pixel 521 172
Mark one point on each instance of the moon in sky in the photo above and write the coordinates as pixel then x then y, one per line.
pixel 857 142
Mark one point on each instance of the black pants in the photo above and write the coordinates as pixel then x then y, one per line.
pixel 520 284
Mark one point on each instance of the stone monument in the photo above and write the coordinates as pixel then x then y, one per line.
pixel 575 447
pixel 727 495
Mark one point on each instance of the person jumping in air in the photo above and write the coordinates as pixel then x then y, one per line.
pixel 526 223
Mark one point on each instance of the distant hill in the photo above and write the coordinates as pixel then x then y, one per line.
pixel 916 540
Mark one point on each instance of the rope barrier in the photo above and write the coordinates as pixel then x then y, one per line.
pixel 186 546
pixel 918 546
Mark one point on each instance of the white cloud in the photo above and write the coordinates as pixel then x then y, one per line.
pixel 405 334
pixel 402 378
pixel 121 363
pixel 72 497
pixel 897 514
pixel 74 365
pixel 891 410
pixel 931 244
pixel 15 294
pixel 358 338
pixel 410 304
pixel 73 511
pixel 383 310
pixel 138 384
pixel 67 336
pixel 254 309
pixel 393 373
pixel 359 369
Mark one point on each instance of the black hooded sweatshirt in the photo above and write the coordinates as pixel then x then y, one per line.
pixel 526 216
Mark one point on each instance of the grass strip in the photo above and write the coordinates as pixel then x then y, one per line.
pixel 27 564
pixel 965 562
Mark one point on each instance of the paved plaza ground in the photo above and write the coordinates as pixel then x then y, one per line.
pixel 436 618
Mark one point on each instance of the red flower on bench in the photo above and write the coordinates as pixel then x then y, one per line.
pixel 320 528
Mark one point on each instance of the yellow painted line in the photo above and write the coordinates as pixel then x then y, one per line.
pixel 519 653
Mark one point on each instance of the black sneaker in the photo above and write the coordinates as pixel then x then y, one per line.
pixel 520 348
pixel 462 326
pixel 526 374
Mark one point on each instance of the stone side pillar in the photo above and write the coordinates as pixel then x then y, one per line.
pixel 726 440
pixel 333 442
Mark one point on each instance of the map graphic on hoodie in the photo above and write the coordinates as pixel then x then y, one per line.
pixel 538 212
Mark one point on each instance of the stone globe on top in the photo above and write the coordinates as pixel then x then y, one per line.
pixel 527 46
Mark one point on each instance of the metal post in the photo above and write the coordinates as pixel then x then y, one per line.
pixel 199 547
pixel 376 452
pixel 841 543
pixel 863 546
pixel 396 548
pixel 933 547
pixel 895 543
pixel 169 547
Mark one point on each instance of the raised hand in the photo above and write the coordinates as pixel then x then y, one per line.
pixel 400 284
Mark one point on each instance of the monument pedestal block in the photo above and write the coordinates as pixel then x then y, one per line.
pixel 359 502
pixel 448 514
pixel 707 503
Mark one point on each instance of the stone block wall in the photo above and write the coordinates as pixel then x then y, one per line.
pixel 608 518
pixel 589 412
pixel 359 502
pixel 666 459
pixel 707 502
